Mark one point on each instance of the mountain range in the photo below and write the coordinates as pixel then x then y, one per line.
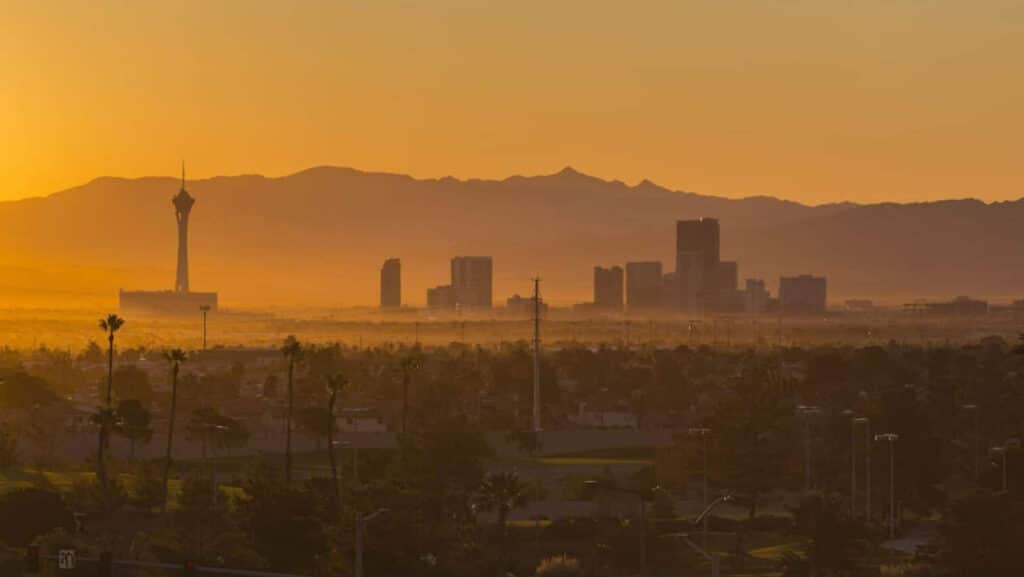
pixel 318 237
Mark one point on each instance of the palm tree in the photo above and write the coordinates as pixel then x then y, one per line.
pixel 174 358
pixel 502 492
pixel 335 386
pixel 109 325
pixel 292 351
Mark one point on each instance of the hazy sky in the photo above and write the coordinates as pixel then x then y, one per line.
pixel 813 100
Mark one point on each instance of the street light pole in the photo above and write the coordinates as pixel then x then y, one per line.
pixel 853 469
pixel 891 438
pixel 703 433
pixel 806 411
pixel 361 522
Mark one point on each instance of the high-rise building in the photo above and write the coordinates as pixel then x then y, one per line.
pixel 690 279
pixel 441 297
pixel 727 276
pixel 698 240
pixel 472 281
pixel 802 294
pixel 391 284
pixel 643 284
pixel 756 296
pixel 608 287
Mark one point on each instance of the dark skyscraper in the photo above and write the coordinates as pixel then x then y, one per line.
pixel 643 284
pixel 802 294
pixel 182 208
pixel 391 284
pixel 472 281
pixel 608 287
pixel 697 244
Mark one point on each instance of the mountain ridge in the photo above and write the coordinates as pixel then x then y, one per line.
pixel 318 236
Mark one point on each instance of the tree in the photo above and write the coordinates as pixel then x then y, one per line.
pixel 109 325
pixel 982 537
pixel 292 351
pixel 200 515
pixel 146 490
pixel 131 382
pixel 750 432
pixel 833 535
pixel 30 512
pixel 174 357
pixel 8 449
pixel 216 431
pixel 287 525
pixel 335 386
pixel 502 492
pixel 313 421
pixel 410 364
pixel 134 422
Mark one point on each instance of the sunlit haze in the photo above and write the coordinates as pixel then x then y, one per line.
pixel 810 100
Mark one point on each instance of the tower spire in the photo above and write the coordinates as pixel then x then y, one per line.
pixel 183 174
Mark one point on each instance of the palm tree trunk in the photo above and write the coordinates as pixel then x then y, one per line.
pixel 288 428
pixel 101 465
pixel 170 434
pixel 330 449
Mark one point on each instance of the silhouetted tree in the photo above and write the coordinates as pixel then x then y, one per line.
pixel 109 325
pixel 174 357
pixel 292 351
pixel 133 423
pixel 335 386
pixel 502 492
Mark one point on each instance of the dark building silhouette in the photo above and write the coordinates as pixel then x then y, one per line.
pixel 608 287
pixel 698 252
pixel 181 300
pixel 643 284
pixel 472 281
pixel 441 297
pixel 802 294
pixel 391 284
pixel 756 296
pixel 521 306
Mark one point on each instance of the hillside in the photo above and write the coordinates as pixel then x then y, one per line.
pixel 318 237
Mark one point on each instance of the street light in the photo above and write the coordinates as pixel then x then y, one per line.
pixel 644 496
pixel 361 522
pixel 806 411
pixel 867 465
pixel 891 438
pixel 703 433
pixel 853 460
pixel 1005 448
pixel 713 558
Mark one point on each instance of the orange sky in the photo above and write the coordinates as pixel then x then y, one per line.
pixel 812 100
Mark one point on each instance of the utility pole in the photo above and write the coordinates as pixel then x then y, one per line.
pixel 205 309
pixel 536 354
